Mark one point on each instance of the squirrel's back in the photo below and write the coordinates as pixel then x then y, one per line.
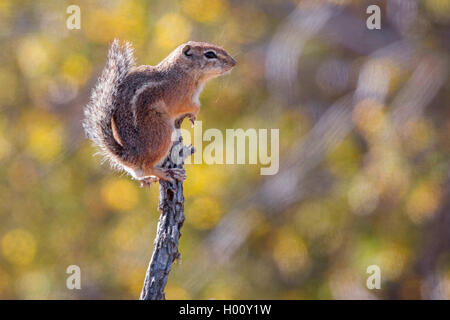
pixel 100 109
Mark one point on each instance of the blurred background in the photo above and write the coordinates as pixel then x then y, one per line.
pixel 364 178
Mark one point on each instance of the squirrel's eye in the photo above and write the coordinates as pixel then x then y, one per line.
pixel 210 55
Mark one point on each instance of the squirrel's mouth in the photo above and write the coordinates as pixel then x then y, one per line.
pixel 230 66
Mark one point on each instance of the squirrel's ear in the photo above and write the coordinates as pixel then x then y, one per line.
pixel 186 50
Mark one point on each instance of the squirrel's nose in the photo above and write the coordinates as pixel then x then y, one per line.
pixel 232 62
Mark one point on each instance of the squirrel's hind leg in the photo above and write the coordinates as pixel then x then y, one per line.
pixel 168 174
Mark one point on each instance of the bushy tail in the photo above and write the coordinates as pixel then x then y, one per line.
pixel 98 112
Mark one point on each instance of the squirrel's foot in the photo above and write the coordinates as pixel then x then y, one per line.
pixel 177 174
pixel 147 182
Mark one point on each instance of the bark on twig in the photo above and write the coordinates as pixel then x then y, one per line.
pixel 171 207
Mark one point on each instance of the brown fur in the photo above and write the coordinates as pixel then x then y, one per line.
pixel 150 99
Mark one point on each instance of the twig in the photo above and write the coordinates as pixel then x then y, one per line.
pixel 171 206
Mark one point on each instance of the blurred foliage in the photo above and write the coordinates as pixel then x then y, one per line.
pixel 383 193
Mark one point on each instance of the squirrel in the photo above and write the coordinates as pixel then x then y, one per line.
pixel 133 109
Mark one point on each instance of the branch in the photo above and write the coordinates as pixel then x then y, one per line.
pixel 171 206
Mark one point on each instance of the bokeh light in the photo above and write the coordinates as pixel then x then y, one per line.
pixel 364 129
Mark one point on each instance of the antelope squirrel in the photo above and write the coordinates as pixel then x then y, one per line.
pixel 132 112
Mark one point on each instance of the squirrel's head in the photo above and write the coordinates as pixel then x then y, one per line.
pixel 206 59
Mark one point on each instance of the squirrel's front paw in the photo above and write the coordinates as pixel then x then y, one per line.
pixel 192 118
